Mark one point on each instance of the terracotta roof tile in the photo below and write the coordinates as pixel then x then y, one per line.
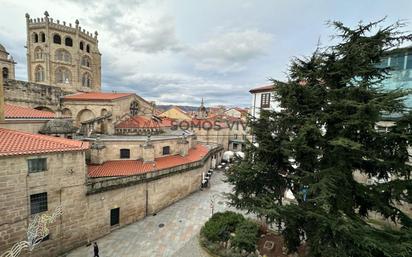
pixel 22 143
pixel 20 112
pixel 134 167
pixel 96 96
pixel 144 122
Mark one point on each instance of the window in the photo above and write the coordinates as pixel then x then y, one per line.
pixel 114 216
pixel 265 100
pixel 166 150
pixel 63 56
pixel 42 37
pixel 397 61
pixel 39 74
pixel 86 61
pixel 57 39
pixel 88 48
pixel 124 153
pixel 68 41
pixel 134 108
pixel 35 38
pixel 63 75
pixel 81 45
pixel 38 53
pixel 86 80
pixel 38 203
pixel 37 165
pixel 5 73
pixel 235 145
pixel 409 61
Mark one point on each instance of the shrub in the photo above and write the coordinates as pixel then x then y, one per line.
pixel 246 236
pixel 220 225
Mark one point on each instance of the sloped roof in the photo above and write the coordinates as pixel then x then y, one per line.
pixel 20 112
pixel 96 96
pixel 267 88
pixel 133 167
pixel 22 143
pixel 144 122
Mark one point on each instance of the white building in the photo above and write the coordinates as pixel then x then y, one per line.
pixel 263 98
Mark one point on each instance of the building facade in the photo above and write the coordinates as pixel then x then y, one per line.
pixel 263 99
pixel 62 54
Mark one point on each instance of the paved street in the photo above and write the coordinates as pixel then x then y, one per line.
pixel 172 232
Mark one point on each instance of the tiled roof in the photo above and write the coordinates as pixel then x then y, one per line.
pixel 20 112
pixel 96 96
pixel 134 167
pixel 266 88
pixel 144 122
pixel 22 143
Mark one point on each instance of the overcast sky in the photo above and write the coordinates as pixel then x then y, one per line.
pixel 178 51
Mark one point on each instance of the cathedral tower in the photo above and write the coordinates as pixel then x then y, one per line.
pixel 62 55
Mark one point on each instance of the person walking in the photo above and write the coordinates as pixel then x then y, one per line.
pixel 96 249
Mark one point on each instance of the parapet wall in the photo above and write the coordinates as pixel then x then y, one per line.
pixel 32 94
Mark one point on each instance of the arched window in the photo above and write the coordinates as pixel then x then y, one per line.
pixel 88 48
pixel 68 41
pixel 38 53
pixel 63 56
pixel 39 74
pixel 134 108
pixel 57 39
pixel 63 75
pixel 42 37
pixel 86 80
pixel 81 46
pixel 86 61
pixel 5 72
pixel 35 38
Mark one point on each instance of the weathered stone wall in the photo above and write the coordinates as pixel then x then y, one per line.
pixel 113 147
pixel 30 126
pixel 63 181
pixel 32 94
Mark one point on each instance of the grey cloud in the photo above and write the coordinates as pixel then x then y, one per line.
pixel 230 51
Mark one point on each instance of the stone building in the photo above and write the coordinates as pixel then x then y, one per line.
pixel 126 180
pixel 136 165
pixel 62 54
pixel 175 113
pixel 97 112
pixel 6 64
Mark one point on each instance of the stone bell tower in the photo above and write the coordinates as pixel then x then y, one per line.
pixel 62 54
pixel 6 64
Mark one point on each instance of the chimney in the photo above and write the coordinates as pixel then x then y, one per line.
pixel 1 98
pixel 148 151
pixel 97 152
pixel 183 144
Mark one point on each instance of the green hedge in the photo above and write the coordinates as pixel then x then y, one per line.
pixel 219 227
pixel 246 236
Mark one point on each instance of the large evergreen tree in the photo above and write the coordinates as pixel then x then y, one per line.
pixel 324 135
